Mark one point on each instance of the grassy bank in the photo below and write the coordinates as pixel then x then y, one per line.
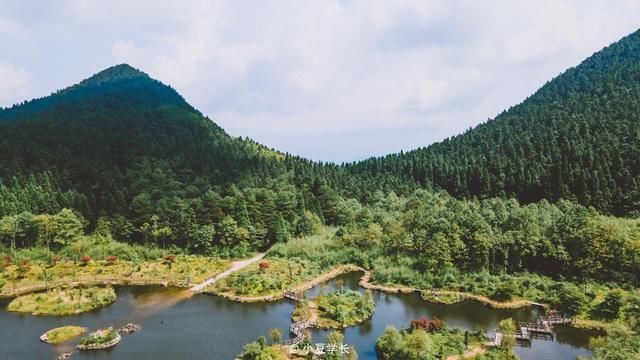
pixel 63 302
pixel 337 309
pixel 22 278
pixel 270 277
pixel 62 334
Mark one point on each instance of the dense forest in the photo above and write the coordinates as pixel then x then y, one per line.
pixel 577 138
pixel 124 154
pixel 127 149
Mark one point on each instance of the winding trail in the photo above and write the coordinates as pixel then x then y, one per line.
pixel 237 265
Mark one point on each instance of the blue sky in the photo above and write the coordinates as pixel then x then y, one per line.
pixel 329 80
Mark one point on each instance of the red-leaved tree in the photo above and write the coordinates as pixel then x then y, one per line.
pixel 85 260
pixel 427 324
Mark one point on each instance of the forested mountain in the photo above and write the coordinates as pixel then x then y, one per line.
pixel 114 135
pixel 576 138
pixel 133 160
pixel 126 148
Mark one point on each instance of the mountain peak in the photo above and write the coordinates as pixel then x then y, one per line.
pixel 114 73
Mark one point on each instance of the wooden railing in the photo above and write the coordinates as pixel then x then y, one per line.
pixel 555 319
pixel 295 296
pixel 297 329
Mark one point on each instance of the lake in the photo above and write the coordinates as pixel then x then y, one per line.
pixel 175 326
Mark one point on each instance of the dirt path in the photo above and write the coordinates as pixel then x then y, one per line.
pixel 237 265
pixel 469 354
pixel 313 310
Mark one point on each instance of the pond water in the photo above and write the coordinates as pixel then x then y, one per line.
pixel 399 309
pixel 175 326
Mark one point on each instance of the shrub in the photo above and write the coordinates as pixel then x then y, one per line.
pixel 571 300
pixel 610 307
pixel 505 291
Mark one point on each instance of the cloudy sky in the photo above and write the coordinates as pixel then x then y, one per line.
pixel 329 80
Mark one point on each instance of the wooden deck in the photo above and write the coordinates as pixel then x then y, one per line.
pixel 298 329
pixel 555 320
pixel 537 327
pixel 295 296
pixel 542 329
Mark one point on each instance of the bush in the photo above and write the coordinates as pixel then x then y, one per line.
pixel 610 307
pixel 571 301
pixel 505 291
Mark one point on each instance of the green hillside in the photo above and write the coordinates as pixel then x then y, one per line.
pixel 576 138
pixel 133 160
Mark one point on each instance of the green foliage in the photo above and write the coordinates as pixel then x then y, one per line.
pixel 443 233
pixel 505 291
pixel 611 305
pixel 497 354
pixel 632 311
pixel 65 333
pixel 276 335
pixel 620 344
pixel 99 337
pixel 259 350
pixel 344 307
pixel 279 276
pixel 508 329
pixel 25 229
pixel 418 344
pixel 63 302
pixel 575 138
pixel 130 156
pixel 128 151
pixel 335 339
pixel 66 227
pixel 571 300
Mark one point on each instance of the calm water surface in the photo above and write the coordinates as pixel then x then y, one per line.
pixel 399 309
pixel 207 327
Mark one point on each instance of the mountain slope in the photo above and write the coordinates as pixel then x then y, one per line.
pixel 116 134
pixel 578 138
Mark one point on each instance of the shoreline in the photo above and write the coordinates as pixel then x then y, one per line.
pixel 322 278
pixel 86 283
pixel 57 303
pixel 364 282
pixel 124 273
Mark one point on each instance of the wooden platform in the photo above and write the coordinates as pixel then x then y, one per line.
pixel 298 329
pixel 295 296
pixel 542 329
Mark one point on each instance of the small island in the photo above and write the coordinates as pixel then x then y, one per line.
pixel 100 339
pixel 335 310
pixel 63 302
pixel 62 334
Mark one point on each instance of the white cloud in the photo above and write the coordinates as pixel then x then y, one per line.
pixel 294 74
pixel 13 86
